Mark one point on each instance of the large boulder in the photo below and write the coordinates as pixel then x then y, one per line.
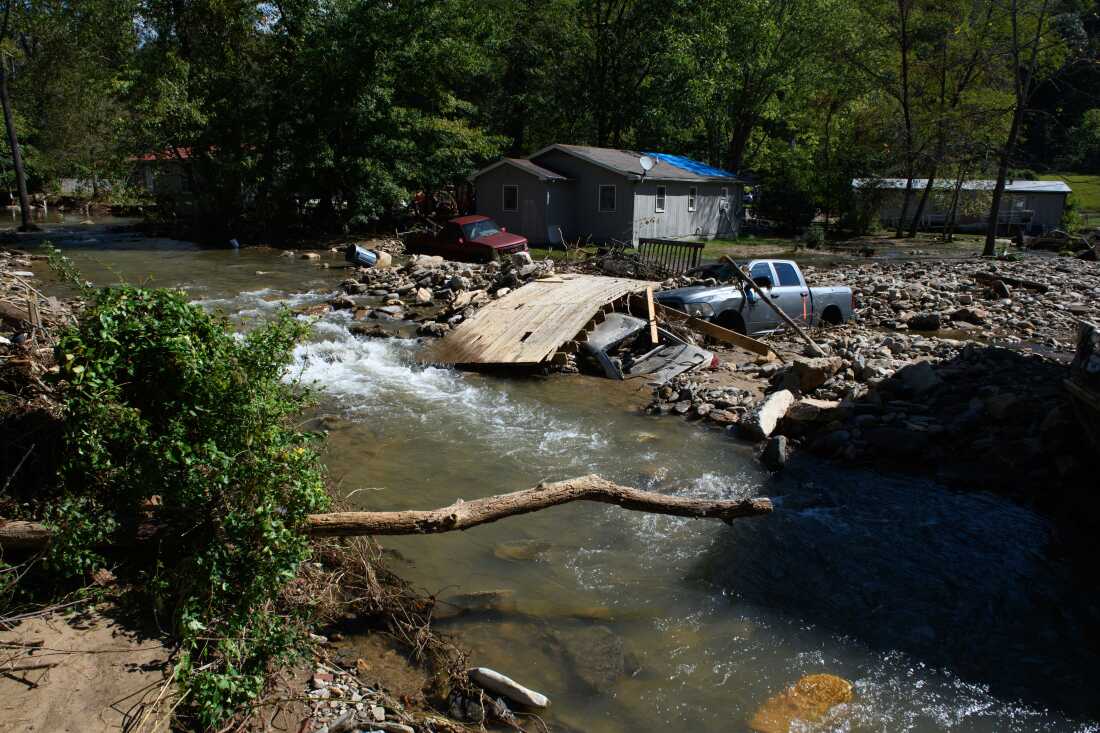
pixel 760 423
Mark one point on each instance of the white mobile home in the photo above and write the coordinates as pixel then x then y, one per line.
pixel 1034 206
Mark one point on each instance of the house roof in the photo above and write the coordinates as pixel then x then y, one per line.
pixel 543 174
pixel 626 163
pixel 971 185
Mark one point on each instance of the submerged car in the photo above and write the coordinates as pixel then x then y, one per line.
pixel 467 239
pixel 739 308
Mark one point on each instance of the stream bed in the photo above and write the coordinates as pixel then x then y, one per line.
pixel 946 610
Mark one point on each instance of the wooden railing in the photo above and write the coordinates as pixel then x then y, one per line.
pixel 670 256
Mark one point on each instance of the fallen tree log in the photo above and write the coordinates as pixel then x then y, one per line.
pixel 987 278
pixel 463 515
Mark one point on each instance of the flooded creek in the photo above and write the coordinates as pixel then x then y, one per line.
pixel 946 610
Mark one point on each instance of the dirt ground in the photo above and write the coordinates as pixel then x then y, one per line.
pixel 80 672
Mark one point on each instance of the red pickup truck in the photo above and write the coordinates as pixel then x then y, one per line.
pixel 467 238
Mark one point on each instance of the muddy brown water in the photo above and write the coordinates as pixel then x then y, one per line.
pixel 947 611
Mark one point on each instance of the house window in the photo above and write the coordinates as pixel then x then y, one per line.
pixel 511 198
pixel 724 202
pixel 692 193
pixel 607 198
pixel 659 205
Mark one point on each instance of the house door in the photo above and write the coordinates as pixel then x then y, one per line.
pixel 529 220
pixel 726 212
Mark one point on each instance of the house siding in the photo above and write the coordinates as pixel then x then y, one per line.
pixel 588 221
pixel 677 221
pixel 530 219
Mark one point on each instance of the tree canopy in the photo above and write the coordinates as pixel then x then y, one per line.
pixel 334 112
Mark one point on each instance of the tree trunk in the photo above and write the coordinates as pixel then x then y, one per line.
pixel 900 231
pixel 16 155
pixel 923 201
pixel 462 515
pixel 952 213
pixel 990 248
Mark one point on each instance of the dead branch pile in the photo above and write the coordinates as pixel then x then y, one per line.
pixel 29 414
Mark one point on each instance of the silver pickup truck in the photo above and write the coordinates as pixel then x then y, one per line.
pixel 738 307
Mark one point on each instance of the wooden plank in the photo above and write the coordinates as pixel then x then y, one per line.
pixel 651 316
pixel 533 322
pixel 714 330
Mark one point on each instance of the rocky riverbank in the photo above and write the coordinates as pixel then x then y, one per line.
pixel 433 293
pixel 952 369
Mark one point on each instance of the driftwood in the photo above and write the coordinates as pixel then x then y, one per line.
pixel 987 278
pixel 466 514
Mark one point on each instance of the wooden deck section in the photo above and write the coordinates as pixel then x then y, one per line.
pixel 532 323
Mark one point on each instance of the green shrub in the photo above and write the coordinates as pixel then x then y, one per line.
pixel 172 417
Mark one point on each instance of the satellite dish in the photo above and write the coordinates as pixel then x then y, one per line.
pixel 647 163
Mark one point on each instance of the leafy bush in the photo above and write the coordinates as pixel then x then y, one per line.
pixel 1071 214
pixel 172 418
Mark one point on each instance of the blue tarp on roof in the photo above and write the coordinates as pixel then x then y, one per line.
pixel 687 164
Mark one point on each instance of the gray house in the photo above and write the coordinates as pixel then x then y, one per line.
pixel 1034 206
pixel 572 192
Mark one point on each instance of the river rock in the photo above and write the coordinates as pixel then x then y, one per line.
pixel 522 550
pixel 317 309
pixel 807 374
pixel 920 377
pixel 310 256
pixel 810 409
pixel 521 259
pixel 423 296
pixel 342 302
pixel 775 452
pixel 501 601
pixel 760 423
pixel 976 316
pixel 597 656
pixel 499 684
pixel 432 328
pixel 924 322
pixel 808 700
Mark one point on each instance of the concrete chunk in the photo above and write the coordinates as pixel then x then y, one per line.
pixel 762 421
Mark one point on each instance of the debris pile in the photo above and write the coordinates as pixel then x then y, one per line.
pixel 434 292
pixel 1037 300
pixel 969 413
pixel 341 703
pixel 29 322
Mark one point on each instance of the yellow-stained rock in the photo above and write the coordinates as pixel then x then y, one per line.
pixel 808 699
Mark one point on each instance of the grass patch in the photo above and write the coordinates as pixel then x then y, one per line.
pixel 1086 188
pixel 557 254
pixel 715 248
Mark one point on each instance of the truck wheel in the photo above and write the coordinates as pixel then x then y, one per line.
pixel 733 321
pixel 493 256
